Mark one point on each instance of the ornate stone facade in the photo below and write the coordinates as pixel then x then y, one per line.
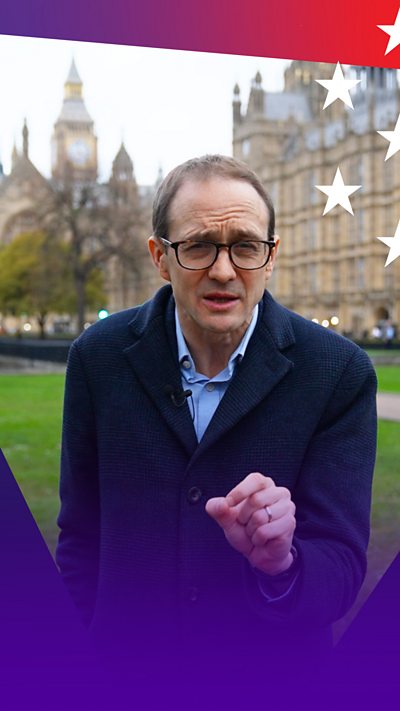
pixel 129 278
pixel 20 193
pixel 332 265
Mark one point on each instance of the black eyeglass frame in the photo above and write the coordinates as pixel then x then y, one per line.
pixel 219 245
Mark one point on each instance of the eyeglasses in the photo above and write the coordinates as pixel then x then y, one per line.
pixel 245 254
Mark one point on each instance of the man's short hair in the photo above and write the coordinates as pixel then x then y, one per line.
pixel 203 168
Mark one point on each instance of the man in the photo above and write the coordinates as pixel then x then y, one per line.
pixel 217 449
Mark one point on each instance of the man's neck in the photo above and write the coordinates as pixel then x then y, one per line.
pixel 211 350
pixel 212 355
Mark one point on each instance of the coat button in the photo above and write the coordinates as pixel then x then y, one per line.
pixel 193 594
pixel 194 495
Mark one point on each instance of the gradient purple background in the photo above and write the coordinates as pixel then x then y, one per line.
pixel 311 29
pixel 45 658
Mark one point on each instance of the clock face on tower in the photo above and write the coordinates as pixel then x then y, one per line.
pixel 79 151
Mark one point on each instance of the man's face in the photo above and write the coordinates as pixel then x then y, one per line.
pixel 220 299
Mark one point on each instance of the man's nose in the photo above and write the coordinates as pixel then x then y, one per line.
pixel 222 270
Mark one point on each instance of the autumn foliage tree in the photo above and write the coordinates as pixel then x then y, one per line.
pixel 37 278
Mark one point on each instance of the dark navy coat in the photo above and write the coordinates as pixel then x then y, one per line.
pixel 137 549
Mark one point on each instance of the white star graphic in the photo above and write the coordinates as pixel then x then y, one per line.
pixel 338 88
pixel 394 139
pixel 394 244
pixel 338 193
pixel 394 33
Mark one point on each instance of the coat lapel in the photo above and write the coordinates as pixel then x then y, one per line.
pixel 154 359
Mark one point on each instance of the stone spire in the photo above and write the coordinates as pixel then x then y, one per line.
pixel 73 108
pixel 122 181
pixel 122 167
pixel 14 156
pixel 25 140
pixel 256 98
pixel 73 84
pixel 236 104
pixel 371 103
pixel 73 76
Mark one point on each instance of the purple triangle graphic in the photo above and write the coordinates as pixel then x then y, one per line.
pixel 376 629
pixel 43 646
pixel 367 659
pixel 32 595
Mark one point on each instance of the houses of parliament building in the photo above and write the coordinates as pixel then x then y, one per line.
pixel 330 268
pixel 74 159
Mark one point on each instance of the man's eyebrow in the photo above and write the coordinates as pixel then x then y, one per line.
pixel 214 235
pixel 247 233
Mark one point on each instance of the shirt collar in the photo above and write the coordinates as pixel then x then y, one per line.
pixel 237 355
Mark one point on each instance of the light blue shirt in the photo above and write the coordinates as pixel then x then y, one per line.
pixel 207 393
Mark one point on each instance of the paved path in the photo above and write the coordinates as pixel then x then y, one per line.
pixel 16 366
pixel 389 406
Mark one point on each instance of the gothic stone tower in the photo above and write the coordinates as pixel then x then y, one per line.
pixel 74 144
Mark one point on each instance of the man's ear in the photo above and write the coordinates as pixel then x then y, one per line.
pixel 271 262
pixel 159 257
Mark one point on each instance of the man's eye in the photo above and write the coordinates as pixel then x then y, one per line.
pixel 247 246
pixel 195 246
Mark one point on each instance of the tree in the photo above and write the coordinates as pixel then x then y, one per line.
pixel 77 216
pixel 103 225
pixel 36 278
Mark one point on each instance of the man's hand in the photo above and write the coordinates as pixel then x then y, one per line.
pixel 263 535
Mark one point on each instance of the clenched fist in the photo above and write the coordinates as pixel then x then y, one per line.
pixel 258 519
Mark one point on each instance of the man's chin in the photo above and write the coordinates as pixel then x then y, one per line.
pixel 221 323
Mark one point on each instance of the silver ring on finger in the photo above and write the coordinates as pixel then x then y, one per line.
pixel 269 513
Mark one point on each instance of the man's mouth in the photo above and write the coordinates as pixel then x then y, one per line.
pixel 220 301
pixel 221 298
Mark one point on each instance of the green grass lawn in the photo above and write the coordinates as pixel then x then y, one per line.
pixel 385 519
pixel 30 424
pixel 386 497
pixel 30 428
pixel 388 378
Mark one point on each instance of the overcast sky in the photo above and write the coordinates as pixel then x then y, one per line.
pixel 167 105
